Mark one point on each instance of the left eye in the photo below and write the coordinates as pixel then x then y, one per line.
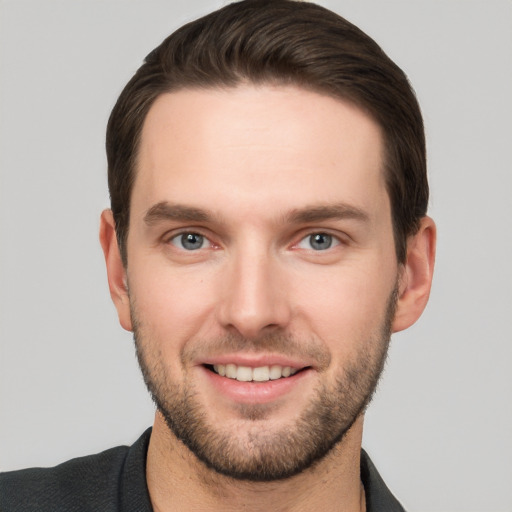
pixel 190 241
pixel 318 242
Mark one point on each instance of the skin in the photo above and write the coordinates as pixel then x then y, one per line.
pixel 258 161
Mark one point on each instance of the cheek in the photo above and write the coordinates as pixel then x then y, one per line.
pixel 344 305
pixel 173 304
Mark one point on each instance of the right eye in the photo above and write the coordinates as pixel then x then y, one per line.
pixel 190 241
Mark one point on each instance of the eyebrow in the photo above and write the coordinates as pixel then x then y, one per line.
pixel 166 211
pixel 319 213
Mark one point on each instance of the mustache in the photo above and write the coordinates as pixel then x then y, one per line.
pixel 275 343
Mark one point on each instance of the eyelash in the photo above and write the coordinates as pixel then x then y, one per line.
pixel 332 241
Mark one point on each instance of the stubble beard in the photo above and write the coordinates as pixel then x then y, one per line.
pixel 257 454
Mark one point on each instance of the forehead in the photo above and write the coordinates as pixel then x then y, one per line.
pixel 278 146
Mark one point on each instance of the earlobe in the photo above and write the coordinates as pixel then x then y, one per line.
pixel 116 272
pixel 416 278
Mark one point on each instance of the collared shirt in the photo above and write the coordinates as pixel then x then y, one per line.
pixel 115 481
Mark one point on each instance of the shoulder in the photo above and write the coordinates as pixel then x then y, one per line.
pixel 85 483
pixel 86 480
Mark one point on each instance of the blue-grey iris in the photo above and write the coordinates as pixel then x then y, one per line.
pixel 191 241
pixel 320 241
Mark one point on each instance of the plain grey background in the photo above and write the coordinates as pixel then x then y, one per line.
pixel 440 428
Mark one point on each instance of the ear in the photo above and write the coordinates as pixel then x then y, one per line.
pixel 116 272
pixel 416 277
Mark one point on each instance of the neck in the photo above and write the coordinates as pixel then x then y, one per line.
pixel 178 481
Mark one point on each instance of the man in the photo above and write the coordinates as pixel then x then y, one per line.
pixel 268 233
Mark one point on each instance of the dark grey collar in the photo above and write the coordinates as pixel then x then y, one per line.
pixel 378 497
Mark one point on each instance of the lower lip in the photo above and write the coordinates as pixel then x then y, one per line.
pixel 256 392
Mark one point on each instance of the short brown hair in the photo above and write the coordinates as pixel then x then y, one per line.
pixel 278 42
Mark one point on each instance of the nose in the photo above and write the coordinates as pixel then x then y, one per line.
pixel 254 299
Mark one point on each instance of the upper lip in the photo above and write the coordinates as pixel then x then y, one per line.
pixel 256 360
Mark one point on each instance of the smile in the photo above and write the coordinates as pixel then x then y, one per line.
pixel 258 374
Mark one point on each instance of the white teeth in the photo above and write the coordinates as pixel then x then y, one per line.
pixel 275 372
pixel 231 371
pixel 259 374
pixel 244 374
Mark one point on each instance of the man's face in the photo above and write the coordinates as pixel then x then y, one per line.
pixel 262 272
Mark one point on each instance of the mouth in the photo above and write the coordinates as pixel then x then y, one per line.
pixel 249 379
pixel 254 374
